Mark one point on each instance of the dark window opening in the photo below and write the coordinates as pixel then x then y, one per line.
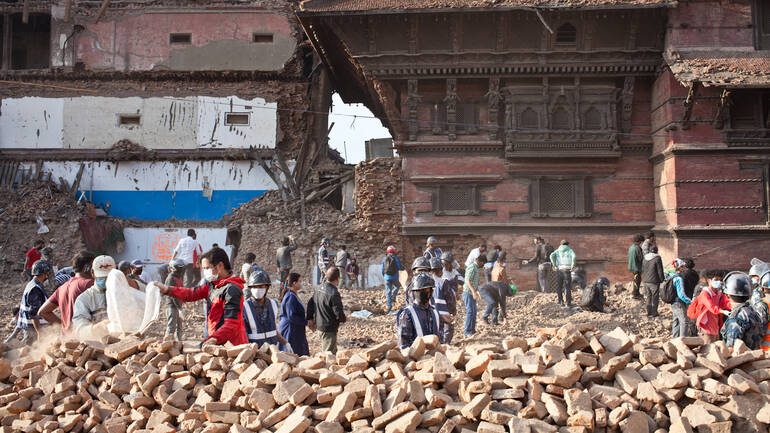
pixel 760 11
pixel 129 119
pixel 30 44
pixel 467 117
pixel 560 119
pixel 180 38
pixel 566 34
pixel 456 200
pixel 262 38
pixel 438 118
pixel 561 198
pixel 557 196
pixel 236 118
pixel 592 119
pixel 2 40
pixel 749 110
pixel 529 119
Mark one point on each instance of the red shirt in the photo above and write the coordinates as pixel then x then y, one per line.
pixel 64 297
pixel 33 255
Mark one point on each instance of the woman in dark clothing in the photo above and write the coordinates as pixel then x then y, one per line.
pixel 292 321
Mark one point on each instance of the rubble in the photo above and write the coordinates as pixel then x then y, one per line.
pixel 130 385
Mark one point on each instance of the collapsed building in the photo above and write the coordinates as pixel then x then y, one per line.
pixel 590 121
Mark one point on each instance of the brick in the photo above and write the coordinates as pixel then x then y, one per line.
pixel 697 415
pixel 392 414
pixel 476 365
pixel 406 423
pixel 564 373
pixel 122 349
pixel 261 400
pixel 342 404
pixel 473 409
pixel 298 422
pixel 277 415
pixel 432 417
pixel 274 374
pixel 329 427
pixel 485 427
pixel 616 341
pixel 628 379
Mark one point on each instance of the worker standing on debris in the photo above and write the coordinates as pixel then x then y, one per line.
pixel 91 306
pixel 635 261
pixel 760 301
pixel 471 293
pixel 710 307
pixel 563 261
pixel 451 275
pixel 175 278
pixel 542 259
pixel 649 241
pixel 390 269
pixel 323 260
pixel 444 300
pixel 491 259
pixel 293 319
pixel 283 257
pixel 418 318
pixel 341 262
pixel 64 297
pixel 432 251
pixel 420 265
pixel 680 326
pixel 188 249
pixel 325 312
pixel 743 322
pixel 653 276
pixel 31 300
pixel 260 313
pixel 481 249
pixel 32 256
pixel 224 298
pixel 352 270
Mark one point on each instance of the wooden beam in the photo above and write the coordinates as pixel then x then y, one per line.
pixel 102 10
pixel 67 10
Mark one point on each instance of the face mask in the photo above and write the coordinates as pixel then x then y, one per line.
pixel 101 282
pixel 716 284
pixel 209 275
pixel 755 281
pixel 258 293
pixel 423 297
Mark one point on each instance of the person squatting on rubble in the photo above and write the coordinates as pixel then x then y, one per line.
pixel 172 305
pixel 64 297
pixel 709 307
pixel 341 262
pixel 594 297
pixel 635 262
pixel 444 300
pixel 743 322
pixel 91 306
pixel 390 269
pixel 249 267
pixel 432 250
pixel 760 301
pixel 471 293
pixel 189 250
pixel 293 318
pixel 418 318
pixel 653 276
pixel 260 313
pixel 563 262
pixel 325 312
pixel 28 321
pixel 542 259
pixel 32 256
pixel 224 298
pixel 283 257
pixel 352 271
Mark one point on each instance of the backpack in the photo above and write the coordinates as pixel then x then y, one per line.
pixel 390 265
pixel 549 249
pixel 668 291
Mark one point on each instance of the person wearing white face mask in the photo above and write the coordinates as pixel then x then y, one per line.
pixel 260 313
pixel 293 319
pixel 711 306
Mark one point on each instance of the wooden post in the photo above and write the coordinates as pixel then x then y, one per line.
pixel 102 10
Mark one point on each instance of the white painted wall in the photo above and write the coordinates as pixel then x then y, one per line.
pixel 91 122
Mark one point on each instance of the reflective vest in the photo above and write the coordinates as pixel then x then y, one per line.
pixel 437 300
pixel 421 327
pixel 261 329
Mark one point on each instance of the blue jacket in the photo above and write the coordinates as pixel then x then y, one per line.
pixel 391 277
pixel 428 322
pixel 679 284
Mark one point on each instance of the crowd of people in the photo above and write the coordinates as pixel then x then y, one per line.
pixel 239 307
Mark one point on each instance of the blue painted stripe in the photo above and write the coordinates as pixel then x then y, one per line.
pixel 163 205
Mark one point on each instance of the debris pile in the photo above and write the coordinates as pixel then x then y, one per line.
pixel 378 194
pixel 572 377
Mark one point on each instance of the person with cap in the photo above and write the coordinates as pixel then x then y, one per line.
pixel 260 313
pixel 594 296
pixel 64 297
pixel 450 274
pixel 325 311
pixel 283 257
pixel 542 259
pixel 680 326
pixel 471 293
pixel 649 241
pixel 652 276
pixel 137 272
pixel 481 249
pixel 420 265
pixel 708 309
pixel 32 299
pixel 293 318
pixel 323 259
pixel 432 251
pixel 63 276
pixel 418 318
pixel 743 322
pixel 390 269
pixel 189 250
pixel 341 262
pixel 563 261
pixel 173 307
pixel 91 306
pixel 444 300
pixel 223 293
pixel 491 260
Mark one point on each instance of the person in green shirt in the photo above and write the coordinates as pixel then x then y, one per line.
pixel 635 260
pixel 471 293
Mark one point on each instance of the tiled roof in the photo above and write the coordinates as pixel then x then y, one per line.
pixel 746 68
pixel 395 5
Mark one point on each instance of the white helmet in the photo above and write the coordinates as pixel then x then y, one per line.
pixel 103 265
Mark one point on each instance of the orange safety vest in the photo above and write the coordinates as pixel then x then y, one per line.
pixel 766 340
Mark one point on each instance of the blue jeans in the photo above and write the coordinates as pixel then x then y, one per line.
pixel 470 313
pixel 491 308
pixel 391 291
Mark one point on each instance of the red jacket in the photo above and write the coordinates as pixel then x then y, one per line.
pixel 706 311
pixel 225 306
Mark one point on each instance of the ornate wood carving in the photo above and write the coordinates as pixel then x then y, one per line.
pixel 724 100
pixel 412 102
pixel 627 98
pixel 688 104
pixel 633 29
pixel 502 22
pixel 451 100
pixel 414 31
pixel 456 32
pixel 371 34
pixel 493 102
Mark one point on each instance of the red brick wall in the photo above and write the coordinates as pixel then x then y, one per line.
pixel 710 24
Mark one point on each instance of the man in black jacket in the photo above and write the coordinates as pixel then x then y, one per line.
pixel 652 276
pixel 325 312
pixel 542 259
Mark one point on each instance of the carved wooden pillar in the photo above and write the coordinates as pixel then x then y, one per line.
pixel 456 30
pixel 451 107
pixel 628 103
pixel 412 102
pixel 500 31
pixel 510 124
pixel 632 30
pixel 493 101
pixel 371 34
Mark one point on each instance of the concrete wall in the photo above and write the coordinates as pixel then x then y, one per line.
pixel 92 122
pixel 220 41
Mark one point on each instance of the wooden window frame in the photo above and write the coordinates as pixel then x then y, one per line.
pixel 7 41
pixel 439 207
pixel 582 205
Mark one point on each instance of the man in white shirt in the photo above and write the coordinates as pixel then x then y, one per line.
pixel 475 253
pixel 188 249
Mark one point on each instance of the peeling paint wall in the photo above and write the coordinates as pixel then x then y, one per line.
pixel 165 123
pixel 219 41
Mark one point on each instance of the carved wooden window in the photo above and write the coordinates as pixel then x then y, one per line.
pixel 459 199
pixel 561 198
pixel 592 119
pixel 566 34
pixel 761 15
pixel 749 109
pixel 560 119
pixel 438 117
pixel 467 117
pixel 529 119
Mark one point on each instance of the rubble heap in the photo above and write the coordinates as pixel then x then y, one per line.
pixel 378 194
pixel 573 378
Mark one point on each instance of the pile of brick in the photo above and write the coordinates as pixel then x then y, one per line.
pixel 571 379
pixel 378 194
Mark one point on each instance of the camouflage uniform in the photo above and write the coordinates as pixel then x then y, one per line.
pixel 744 324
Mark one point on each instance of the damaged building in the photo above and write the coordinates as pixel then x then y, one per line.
pixel 590 121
